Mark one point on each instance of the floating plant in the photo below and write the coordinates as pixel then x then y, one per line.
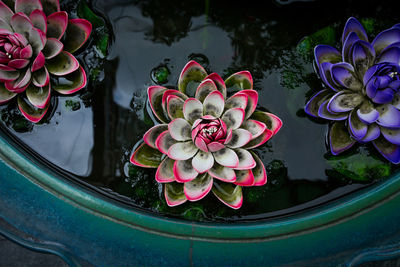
pixel 361 90
pixel 203 142
pixel 36 45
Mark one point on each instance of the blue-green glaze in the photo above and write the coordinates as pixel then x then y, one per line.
pixel 82 226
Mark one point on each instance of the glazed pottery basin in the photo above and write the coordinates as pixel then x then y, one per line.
pixel 49 213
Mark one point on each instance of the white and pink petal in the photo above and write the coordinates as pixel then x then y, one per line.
pixel 183 171
pixel 229 194
pixel 198 188
pixel 165 172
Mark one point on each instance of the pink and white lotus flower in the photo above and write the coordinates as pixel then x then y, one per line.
pixel 203 143
pixel 36 45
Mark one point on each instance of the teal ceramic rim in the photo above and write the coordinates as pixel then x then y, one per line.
pixel 318 218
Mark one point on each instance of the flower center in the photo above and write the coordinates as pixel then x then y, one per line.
pixel 392 74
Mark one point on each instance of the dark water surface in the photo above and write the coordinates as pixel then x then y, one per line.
pixel 91 135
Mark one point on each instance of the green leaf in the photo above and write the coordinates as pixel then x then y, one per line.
pixel 325 35
pixel 362 166
pixel 85 12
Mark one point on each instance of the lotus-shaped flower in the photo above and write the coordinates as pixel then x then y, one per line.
pixel 203 142
pixel 361 93
pixel 36 42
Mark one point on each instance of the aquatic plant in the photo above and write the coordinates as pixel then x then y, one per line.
pixel 36 45
pixel 203 141
pixel 361 90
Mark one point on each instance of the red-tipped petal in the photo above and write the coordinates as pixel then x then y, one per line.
pixel 219 82
pixel 52 48
pixel 198 188
pixel 204 89
pixel 146 157
pixel 153 133
pixel 246 160
pixel 259 172
pixel 39 20
pixel 182 150
pixel 174 194
pixel 183 171
pixel 214 104
pixel 165 172
pixel 155 94
pixel 27 6
pixel 203 161
pixel 244 178
pixel 78 32
pixel 222 173
pixel 30 113
pixel 192 72
pixel 38 63
pixel 240 80
pixel 229 194
pixel 57 24
pixel 226 157
pixel 72 82
pixel 164 141
pixel 18 63
pixel 63 64
pixel 38 96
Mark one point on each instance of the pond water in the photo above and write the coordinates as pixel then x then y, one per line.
pixel 89 136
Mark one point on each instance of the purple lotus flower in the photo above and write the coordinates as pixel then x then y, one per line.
pixel 37 41
pixel 203 142
pixel 361 93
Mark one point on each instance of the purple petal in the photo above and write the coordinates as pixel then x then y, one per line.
pixel 344 101
pixel 367 113
pixel 343 74
pixel 392 135
pixel 326 76
pixel 348 43
pixel 324 113
pixel 363 55
pixel 357 128
pixel 391 55
pixel 373 133
pixel 339 138
pixel 353 25
pixel 326 53
pixel 386 38
pixel 383 96
pixel 312 106
pixel 390 151
pixel 389 116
